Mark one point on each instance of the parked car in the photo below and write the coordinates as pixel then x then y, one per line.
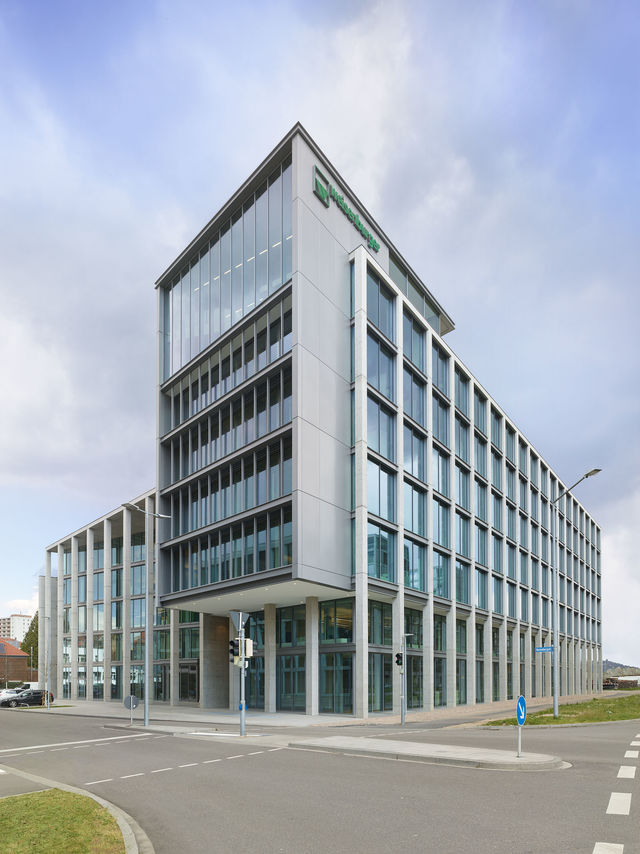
pixel 10 692
pixel 27 698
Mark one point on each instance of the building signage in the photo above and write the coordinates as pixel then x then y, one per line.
pixel 326 191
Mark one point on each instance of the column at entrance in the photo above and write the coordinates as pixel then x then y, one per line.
pixel 270 658
pixel 312 665
pixel 214 655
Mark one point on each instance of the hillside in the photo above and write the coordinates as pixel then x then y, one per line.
pixel 614 668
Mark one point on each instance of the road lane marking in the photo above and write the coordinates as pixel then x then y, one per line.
pixel 635 744
pixel 631 754
pixel 95 741
pixel 237 756
pixel 2 772
pixel 128 776
pixel 207 761
pixel 627 772
pixel 619 803
pixel 273 749
pixel 188 765
pixel 160 770
pixel 608 848
pixel 255 752
pixel 58 749
pixel 95 782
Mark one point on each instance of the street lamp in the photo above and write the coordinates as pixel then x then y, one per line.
pixel 147 601
pixel 556 588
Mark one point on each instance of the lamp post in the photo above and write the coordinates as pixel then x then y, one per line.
pixel 147 601
pixel 556 587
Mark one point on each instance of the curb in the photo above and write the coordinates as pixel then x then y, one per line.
pixel 135 839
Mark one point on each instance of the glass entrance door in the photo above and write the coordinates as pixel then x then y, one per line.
pixel 189 681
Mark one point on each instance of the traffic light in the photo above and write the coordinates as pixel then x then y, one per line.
pixel 234 649
pixel 399 659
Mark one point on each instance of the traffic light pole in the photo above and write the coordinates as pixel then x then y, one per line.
pixel 242 669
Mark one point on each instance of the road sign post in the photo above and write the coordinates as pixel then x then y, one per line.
pixel 239 619
pixel 521 716
pixel 131 702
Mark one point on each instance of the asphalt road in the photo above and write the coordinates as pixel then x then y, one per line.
pixel 196 794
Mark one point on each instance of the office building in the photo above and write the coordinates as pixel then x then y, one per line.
pixel 333 469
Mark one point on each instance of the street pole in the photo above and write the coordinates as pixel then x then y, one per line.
pixel 556 586
pixel 48 655
pixel 242 697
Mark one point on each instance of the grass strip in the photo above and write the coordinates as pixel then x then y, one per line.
pixel 54 820
pixel 612 708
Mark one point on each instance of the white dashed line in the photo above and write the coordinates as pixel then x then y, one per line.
pixel 635 744
pixel 631 754
pixel 2 772
pixel 619 803
pixel 160 736
pixel 58 749
pixel 188 765
pixel 207 761
pixel 237 756
pixel 255 752
pixel 627 772
pixel 95 782
pixel 128 776
pixel 97 742
pixel 160 770
pixel 273 749
pixel 608 848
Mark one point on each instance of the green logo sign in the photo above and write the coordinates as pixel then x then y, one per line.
pixel 326 191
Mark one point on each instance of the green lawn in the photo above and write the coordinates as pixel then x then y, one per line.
pixel 57 821
pixel 611 708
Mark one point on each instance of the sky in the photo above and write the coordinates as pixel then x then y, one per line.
pixel 496 143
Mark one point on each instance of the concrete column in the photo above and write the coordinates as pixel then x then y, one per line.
pixel 58 650
pixel 89 611
pixel 527 661
pixel 450 628
pixel 126 602
pixel 106 543
pixel 174 653
pixel 427 656
pixel 74 618
pixel 516 660
pixel 361 635
pixel 488 661
pixel 312 657
pixel 214 671
pixel 503 656
pixel 149 507
pixel 269 658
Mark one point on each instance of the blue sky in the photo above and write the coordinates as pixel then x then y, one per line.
pixel 497 143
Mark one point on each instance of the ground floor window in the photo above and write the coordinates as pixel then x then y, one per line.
pixel 98 683
pixel 380 682
pixel 66 683
pixel 291 694
pixel 439 681
pixel 336 682
pixel 254 684
pixel 414 682
pixel 136 677
pixel 188 682
pixel 116 681
pixel 461 681
pixel 161 689
pixel 495 681
pixel 479 681
pixel 82 683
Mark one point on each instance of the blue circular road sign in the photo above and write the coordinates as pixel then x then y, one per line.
pixel 521 710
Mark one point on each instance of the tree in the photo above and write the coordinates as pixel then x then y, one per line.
pixel 30 642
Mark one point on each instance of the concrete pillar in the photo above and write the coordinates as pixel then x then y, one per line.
pixel 106 544
pixel 174 654
pixel 312 657
pixel 74 618
pixel 450 629
pixel 527 661
pixel 214 671
pixel 503 656
pixel 360 634
pixel 488 661
pixel 427 656
pixel 270 652
pixel 89 609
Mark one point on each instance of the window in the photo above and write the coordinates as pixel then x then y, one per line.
pixel 440 369
pixel 462 535
pixel 524 598
pixel 480 450
pixel 496 511
pixel 414 564
pixel 480 411
pixel 461 392
pixel 496 429
pixel 511 522
pixel 481 545
pixel 380 366
pixel 511 445
pixel 440 575
pixel 413 341
pixel 511 484
pixel 462 487
pixel 413 628
pixel 440 472
pixel 379 305
pixel 481 501
pixel 462 583
pixel 481 589
pixel 98 586
pixel 440 523
pixel 380 553
pixel 414 453
pixel 496 470
pixel 413 396
pixel 440 421
pixel 522 457
pixel 336 621
pixel 462 440
pixel 381 491
pixel 414 509
pixel 380 429
pixel 497 553
pixel 380 623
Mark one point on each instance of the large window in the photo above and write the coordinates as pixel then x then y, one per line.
pixel 413 341
pixel 440 369
pixel 462 583
pixel 336 621
pixel 440 421
pixel 380 305
pixel 380 366
pixel 440 523
pixel 414 509
pixel 380 553
pixel 461 391
pixel 440 471
pixel 441 575
pixel 381 491
pixel 414 453
pixel 414 565
pixel 380 623
pixel 462 440
pixel 462 534
pixel 380 429
pixel 413 396
pixel 462 487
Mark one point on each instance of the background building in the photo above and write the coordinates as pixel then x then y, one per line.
pixel 15 626
pixel 14 664
pixel 332 468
